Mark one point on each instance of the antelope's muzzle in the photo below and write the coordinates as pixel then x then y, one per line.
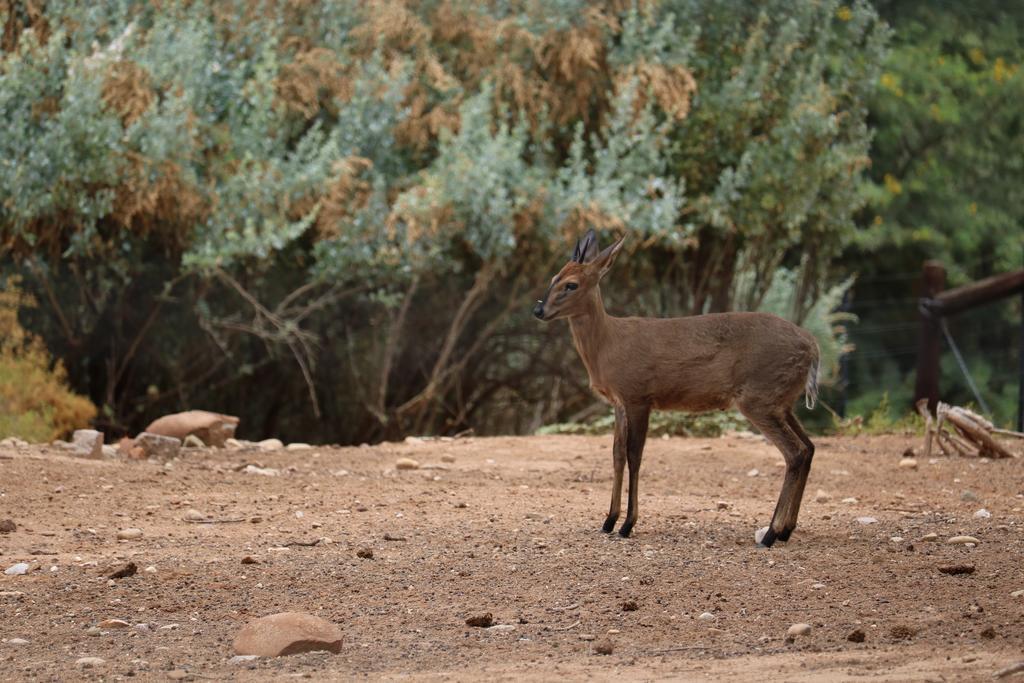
pixel 538 310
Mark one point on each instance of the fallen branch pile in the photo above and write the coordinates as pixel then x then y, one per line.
pixel 968 435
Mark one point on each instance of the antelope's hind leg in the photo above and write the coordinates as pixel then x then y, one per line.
pixel 797 450
pixel 618 465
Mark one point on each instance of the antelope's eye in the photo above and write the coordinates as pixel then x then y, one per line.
pixel 571 286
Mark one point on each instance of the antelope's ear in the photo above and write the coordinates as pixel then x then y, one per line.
pixel 586 248
pixel 606 258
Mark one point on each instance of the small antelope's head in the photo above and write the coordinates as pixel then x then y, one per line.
pixel 570 289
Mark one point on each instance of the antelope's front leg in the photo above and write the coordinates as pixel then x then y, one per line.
pixel 636 434
pixel 618 466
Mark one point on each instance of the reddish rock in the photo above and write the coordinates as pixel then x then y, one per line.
pixel 212 428
pixel 157 446
pixel 287 633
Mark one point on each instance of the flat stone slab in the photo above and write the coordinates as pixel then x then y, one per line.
pixel 287 633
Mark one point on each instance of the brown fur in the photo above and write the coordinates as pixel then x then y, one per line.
pixel 757 362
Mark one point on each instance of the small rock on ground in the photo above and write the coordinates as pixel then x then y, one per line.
pixel 157 446
pixel 481 621
pixel 856 636
pixel 406 464
pixel 87 443
pixel 982 514
pixel 265 471
pixel 287 633
pixel 797 630
pixel 821 496
pixel 297 446
pixel 114 623
pixel 270 444
pixel 7 526
pixel 867 520
pixel 17 641
pixel 908 463
pixel 962 540
pixel 129 534
pixel 90 662
pixel 17 569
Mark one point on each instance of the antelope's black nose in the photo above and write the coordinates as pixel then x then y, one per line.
pixel 538 310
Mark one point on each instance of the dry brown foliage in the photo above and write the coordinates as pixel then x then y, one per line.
pixel 310 82
pixel 160 201
pixel 127 89
pixel 21 16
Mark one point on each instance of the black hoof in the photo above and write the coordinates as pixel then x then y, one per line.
pixel 769 539
pixel 784 536
pixel 626 530
pixel 609 524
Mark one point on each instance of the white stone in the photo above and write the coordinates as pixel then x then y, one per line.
pixel 821 496
pixel 798 630
pixel 851 500
pixel 500 628
pixel 109 451
pixel 753 473
pixel 962 540
pixel 706 616
pixel 298 447
pixel 982 514
pixel 90 662
pixel 265 471
pixel 930 537
pixel 908 463
pixel 129 534
pixel 17 641
pixel 270 444
pixel 194 515
pixel 17 569
pixel 243 659
pixel 867 520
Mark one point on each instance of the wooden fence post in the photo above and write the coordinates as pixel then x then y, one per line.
pixel 933 281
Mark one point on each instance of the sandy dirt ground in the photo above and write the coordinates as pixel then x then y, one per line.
pixel 510 526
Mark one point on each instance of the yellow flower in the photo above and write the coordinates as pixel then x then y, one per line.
pixel 892 184
pixel 891 83
pixel 878 220
pixel 843 13
pixel 976 55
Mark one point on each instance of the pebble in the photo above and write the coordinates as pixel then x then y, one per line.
pixel 365 553
pixel 753 473
pixel 961 540
pixel 982 514
pixel 270 444
pixel 129 534
pixel 605 647
pixel 93 631
pixel 930 537
pixel 298 447
pixel 243 659
pixel 8 526
pixel 406 464
pixel 17 641
pixel 501 628
pixel 114 623
pixel 265 471
pixel 18 569
pixel 851 500
pixel 867 520
pixel 193 441
pixel 856 636
pixel 448 457
pixel 287 633
pixel 706 616
pixel 908 463
pixel 194 515
pixel 722 505
pixel 956 569
pixel 12 595
pixel 150 569
pixel 968 496
pixel 90 662
pixel 821 496
pixel 798 630
pixel 1017 594
pixel 109 451
pixel 817 586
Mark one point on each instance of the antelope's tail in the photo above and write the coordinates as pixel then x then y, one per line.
pixel 811 388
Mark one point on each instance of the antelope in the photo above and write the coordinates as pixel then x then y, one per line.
pixel 757 362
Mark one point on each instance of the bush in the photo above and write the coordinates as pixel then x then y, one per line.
pixel 35 402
